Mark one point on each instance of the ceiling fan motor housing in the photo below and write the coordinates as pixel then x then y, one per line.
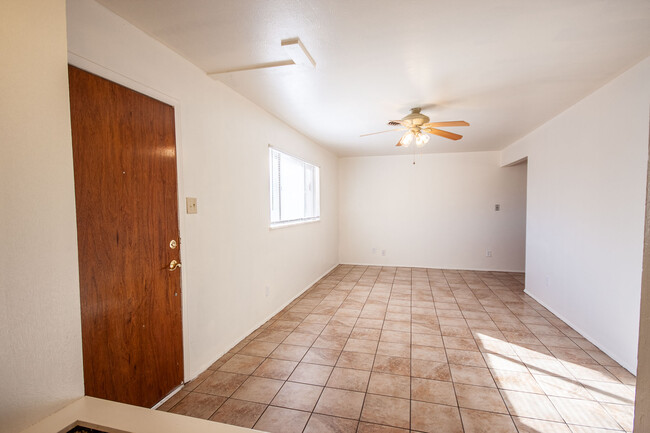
pixel 415 118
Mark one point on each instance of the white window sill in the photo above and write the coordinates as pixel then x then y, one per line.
pixel 280 225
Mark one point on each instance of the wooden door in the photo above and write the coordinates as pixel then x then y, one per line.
pixel 127 214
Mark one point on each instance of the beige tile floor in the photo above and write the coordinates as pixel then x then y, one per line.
pixel 384 349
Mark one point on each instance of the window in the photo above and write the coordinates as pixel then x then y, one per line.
pixel 295 189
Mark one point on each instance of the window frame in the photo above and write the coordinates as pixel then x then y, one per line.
pixel 316 183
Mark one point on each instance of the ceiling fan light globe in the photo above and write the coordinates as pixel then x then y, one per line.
pixel 407 138
pixel 421 139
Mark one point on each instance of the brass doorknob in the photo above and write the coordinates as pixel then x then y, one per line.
pixel 173 265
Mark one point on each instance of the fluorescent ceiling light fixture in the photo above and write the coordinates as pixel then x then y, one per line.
pixel 298 53
pixel 294 48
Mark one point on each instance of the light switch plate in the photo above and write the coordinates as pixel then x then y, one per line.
pixel 190 205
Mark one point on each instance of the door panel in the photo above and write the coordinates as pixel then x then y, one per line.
pixel 127 213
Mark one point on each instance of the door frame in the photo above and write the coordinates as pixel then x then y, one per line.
pixel 116 77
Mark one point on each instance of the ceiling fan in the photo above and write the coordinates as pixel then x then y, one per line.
pixel 417 126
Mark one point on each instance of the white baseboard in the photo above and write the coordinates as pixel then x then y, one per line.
pixel 586 335
pixel 430 267
pixel 247 333
pixel 167 397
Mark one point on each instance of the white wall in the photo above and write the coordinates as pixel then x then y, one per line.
pixel 229 254
pixel 586 193
pixel 437 213
pixel 40 334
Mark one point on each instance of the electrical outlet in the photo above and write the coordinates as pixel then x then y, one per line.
pixel 497 207
pixel 488 253
pixel 190 205
pixel 374 250
pixel 383 252
pixel 267 290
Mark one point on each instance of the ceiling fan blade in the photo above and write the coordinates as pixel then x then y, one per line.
pixel 452 123
pixel 399 143
pixel 446 134
pixel 381 132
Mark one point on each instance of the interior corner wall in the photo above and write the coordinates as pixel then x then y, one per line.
pixel 229 254
pixel 438 213
pixel 586 205
pixel 40 326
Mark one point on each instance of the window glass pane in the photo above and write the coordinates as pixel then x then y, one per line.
pixel 309 191
pixel 274 169
pixel 316 192
pixel 294 188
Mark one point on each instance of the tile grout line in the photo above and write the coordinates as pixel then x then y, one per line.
pixel 342 349
pixel 363 403
pixel 311 414
pixel 453 383
pixel 505 404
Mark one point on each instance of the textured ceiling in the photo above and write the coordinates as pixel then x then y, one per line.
pixel 505 66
